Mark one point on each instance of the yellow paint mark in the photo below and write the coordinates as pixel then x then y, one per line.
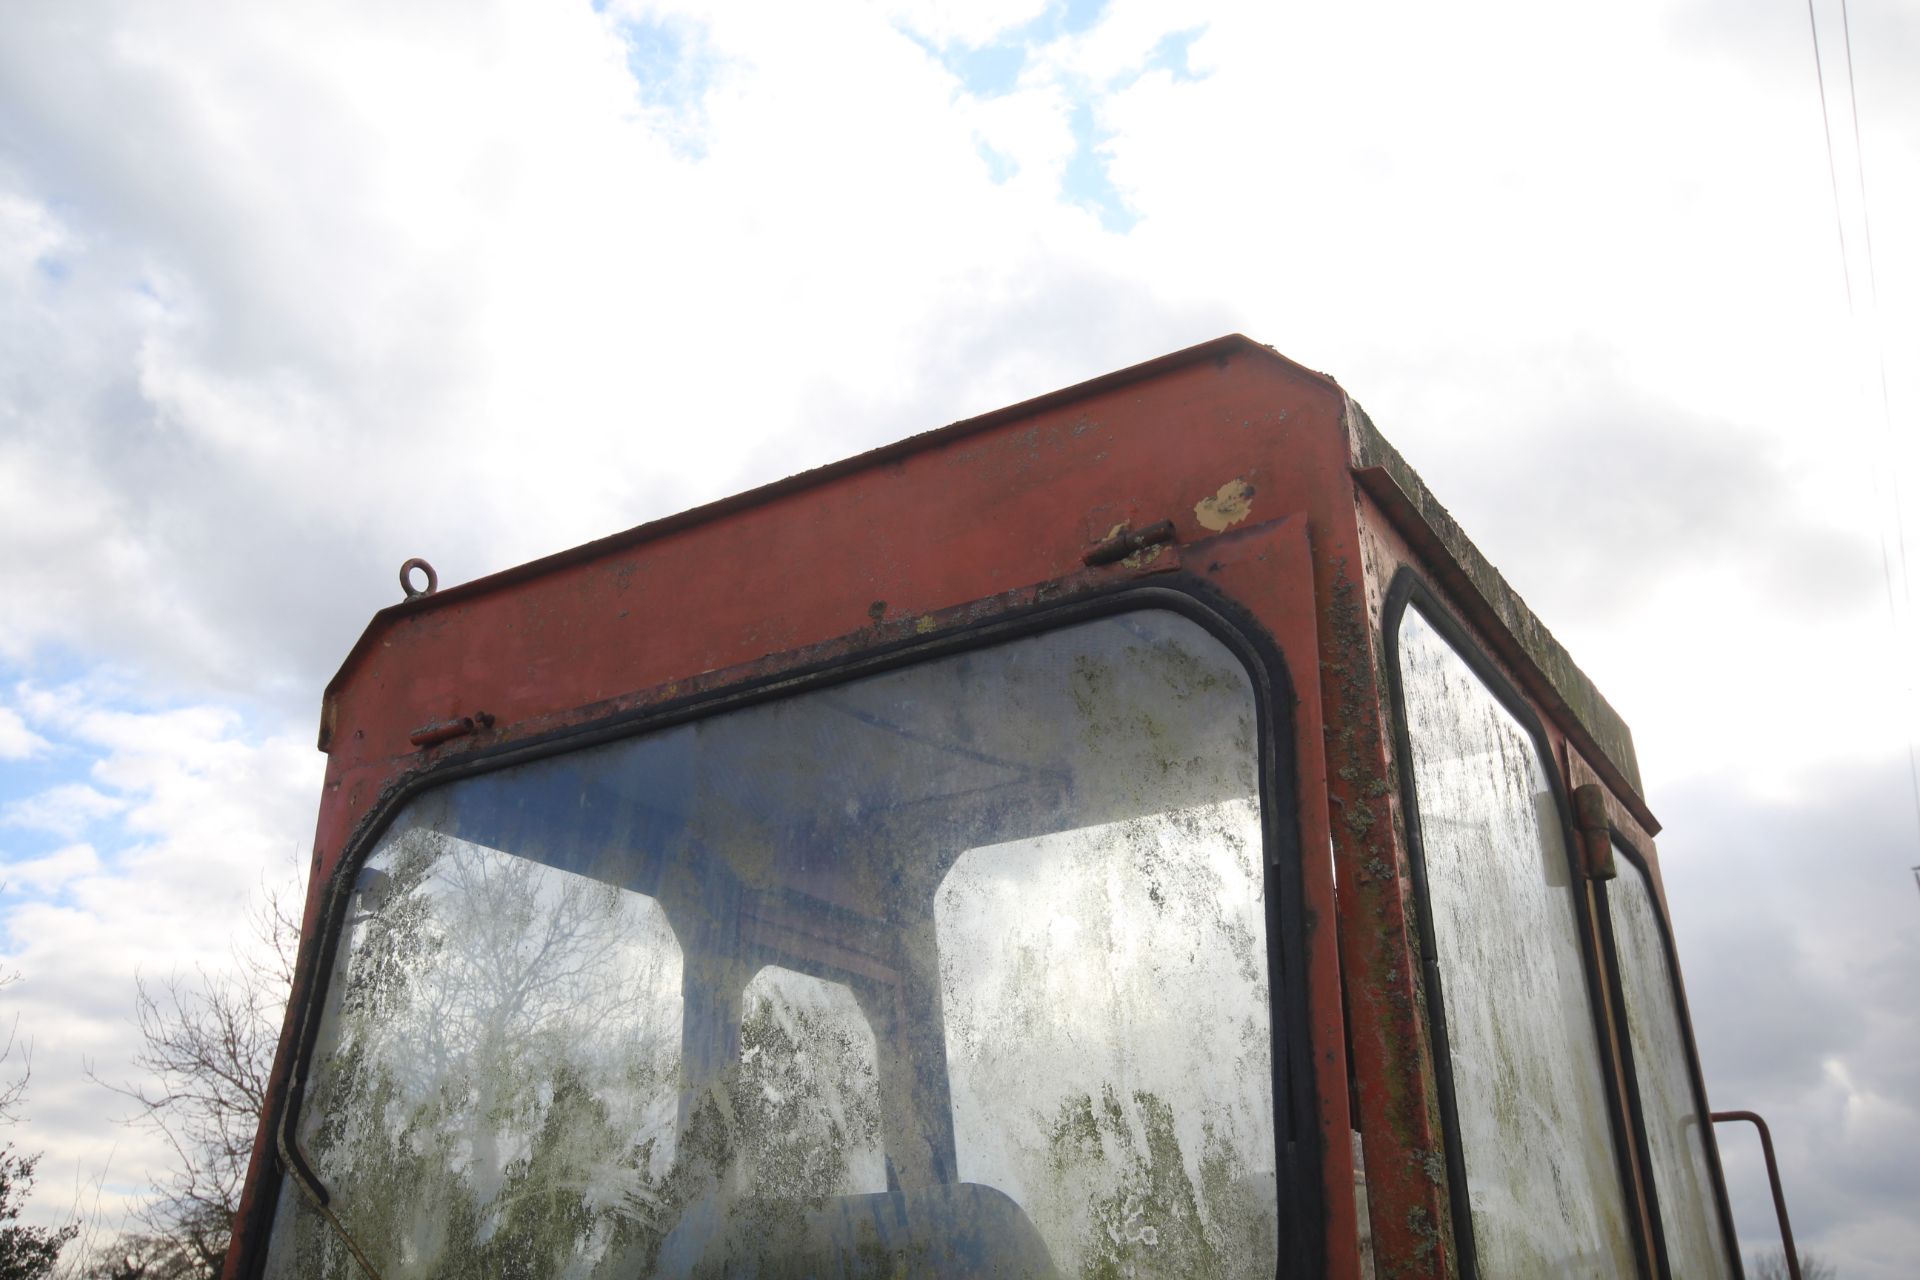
pixel 1232 504
pixel 1143 557
pixel 923 624
pixel 1114 532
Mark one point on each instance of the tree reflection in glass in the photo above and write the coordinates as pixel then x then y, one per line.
pixel 500 1030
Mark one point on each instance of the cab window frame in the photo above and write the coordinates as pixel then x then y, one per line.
pixel 1627 846
pixel 1298 1157
pixel 1409 590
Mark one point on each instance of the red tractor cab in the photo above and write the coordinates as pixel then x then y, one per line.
pixel 1132 833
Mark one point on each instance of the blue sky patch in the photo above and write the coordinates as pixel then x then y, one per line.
pixel 69 756
pixel 987 71
pixel 654 53
pixel 1000 165
pixel 61 763
pixel 1077 16
pixel 1086 182
pixel 991 69
pixel 672 68
pixel 1171 54
pixel 22 780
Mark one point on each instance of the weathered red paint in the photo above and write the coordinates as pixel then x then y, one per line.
pixel 1022 505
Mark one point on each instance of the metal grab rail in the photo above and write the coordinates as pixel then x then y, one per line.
pixel 1773 1177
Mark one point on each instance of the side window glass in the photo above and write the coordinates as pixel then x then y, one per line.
pixel 1677 1129
pixel 1529 1108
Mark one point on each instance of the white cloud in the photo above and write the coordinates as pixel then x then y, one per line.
pixel 53 872
pixel 966 22
pixel 29 237
pixel 1792 917
pixel 17 742
pixel 66 810
pixel 209 812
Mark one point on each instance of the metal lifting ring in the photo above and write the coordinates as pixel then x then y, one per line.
pixel 406 578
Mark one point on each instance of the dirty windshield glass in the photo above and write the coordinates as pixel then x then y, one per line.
pixel 956 970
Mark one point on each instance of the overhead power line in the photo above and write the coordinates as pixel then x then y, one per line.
pixel 1873 290
pixel 1897 556
pixel 1833 169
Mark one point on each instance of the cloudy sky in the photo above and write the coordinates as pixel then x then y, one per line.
pixel 290 292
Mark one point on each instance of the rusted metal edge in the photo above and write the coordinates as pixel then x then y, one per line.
pixel 1221 348
pixel 1128 542
pixel 433 735
pixel 1773 1181
pixel 1510 627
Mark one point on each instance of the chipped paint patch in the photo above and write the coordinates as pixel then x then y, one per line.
pixel 1232 504
pixel 924 623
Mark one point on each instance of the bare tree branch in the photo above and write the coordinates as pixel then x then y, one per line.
pixel 14 1092
pixel 26 1253
pixel 207 1051
pixel 1773 1266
